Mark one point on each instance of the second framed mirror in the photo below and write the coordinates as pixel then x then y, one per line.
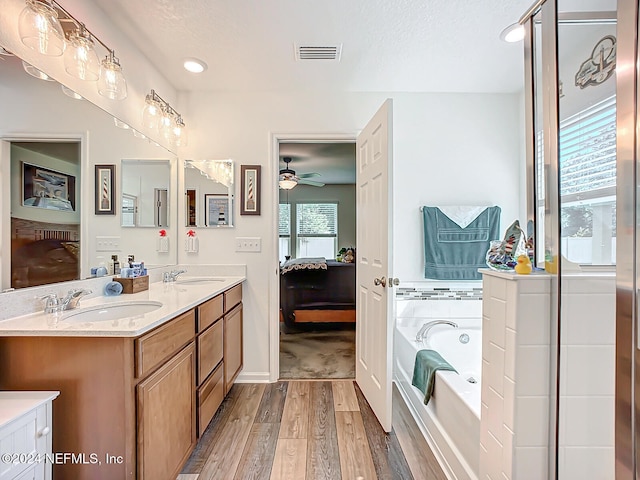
pixel 209 193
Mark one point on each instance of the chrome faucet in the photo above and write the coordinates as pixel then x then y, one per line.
pixel 72 300
pixel 171 276
pixel 53 304
pixel 422 333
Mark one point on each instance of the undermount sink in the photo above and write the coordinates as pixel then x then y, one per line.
pixel 114 311
pixel 198 280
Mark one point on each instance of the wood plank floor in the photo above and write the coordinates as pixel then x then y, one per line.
pixel 308 430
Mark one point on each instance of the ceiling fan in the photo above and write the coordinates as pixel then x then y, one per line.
pixel 288 178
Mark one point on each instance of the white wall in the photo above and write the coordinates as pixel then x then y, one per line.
pixel 448 149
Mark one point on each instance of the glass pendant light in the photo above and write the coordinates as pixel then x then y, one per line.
pixel 151 112
pixel 166 125
pixel 40 29
pixel 111 83
pixel 80 58
pixel 179 132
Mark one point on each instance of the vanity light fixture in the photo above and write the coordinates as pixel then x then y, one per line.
pixel 194 65
pixel 159 115
pixel 80 57
pixel 111 83
pixel 513 33
pixel 40 28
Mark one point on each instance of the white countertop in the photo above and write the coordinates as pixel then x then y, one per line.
pixel 16 403
pixel 175 297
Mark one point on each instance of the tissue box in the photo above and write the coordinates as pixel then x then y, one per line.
pixel 133 285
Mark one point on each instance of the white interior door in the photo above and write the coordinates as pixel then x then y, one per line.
pixel 373 302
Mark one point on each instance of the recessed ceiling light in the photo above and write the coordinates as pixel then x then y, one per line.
pixel 513 33
pixel 194 65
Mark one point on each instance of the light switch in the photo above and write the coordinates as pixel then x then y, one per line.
pixel 248 244
pixel 107 244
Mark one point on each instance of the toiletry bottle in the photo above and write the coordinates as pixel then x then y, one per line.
pixel 116 264
pixel 129 260
pixel 110 266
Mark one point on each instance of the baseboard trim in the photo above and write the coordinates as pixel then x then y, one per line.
pixel 253 377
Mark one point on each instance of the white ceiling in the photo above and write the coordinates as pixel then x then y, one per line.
pixel 387 45
pixel 335 162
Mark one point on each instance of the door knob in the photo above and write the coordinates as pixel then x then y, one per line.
pixel 380 281
pixel 394 281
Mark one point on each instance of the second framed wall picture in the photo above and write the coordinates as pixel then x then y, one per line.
pixel 105 190
pixel 250 189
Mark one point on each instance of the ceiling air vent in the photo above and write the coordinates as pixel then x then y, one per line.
pixel 318 52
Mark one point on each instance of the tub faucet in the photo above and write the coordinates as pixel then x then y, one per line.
pixel 72 300
pixel 171 276
pixel 422 333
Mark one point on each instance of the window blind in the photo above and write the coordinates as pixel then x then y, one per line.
pixel 317 219
pixel 284 220
pixel 588 149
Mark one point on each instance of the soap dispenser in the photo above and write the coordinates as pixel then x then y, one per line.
pixel 116 265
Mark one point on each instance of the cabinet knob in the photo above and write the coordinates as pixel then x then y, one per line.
pixel 44 432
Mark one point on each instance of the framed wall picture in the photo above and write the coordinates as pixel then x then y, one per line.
pixel 105 194
pixel 216 210
pixel 250 189
pixel 46 188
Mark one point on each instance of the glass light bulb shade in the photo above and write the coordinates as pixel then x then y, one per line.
pixel 151 113
pixel 70 93
pixel 111 83
pixel 40 29
pixel 34 72
pixel 180 135
pixel 80 58
pixel 166 125
pixel 287 184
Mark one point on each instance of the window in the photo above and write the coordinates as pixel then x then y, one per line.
pixel 587 152
pixel 284 231
pixel 316 229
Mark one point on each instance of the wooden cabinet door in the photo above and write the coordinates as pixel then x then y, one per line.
pixel 167 417
pixel 232 346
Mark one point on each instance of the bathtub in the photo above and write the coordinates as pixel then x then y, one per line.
pixel 451 420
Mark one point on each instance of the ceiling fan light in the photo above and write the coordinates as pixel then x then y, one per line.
pixel 287 184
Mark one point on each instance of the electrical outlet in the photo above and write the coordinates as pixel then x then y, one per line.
pixel 248 244
pixel 107 244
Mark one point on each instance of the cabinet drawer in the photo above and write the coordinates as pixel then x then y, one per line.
pixel 210 396
pixel 232 297
pixel 210 311
pixel 159 344
pixel 210 349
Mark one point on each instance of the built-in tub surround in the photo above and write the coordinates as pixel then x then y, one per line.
pixel 516 376
pixel 451 420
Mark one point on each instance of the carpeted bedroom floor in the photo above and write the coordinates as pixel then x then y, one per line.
pixel 317 355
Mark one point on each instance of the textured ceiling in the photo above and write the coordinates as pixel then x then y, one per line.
pixel 334 162
pixel 399 45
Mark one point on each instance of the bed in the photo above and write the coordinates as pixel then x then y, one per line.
pixel 315 295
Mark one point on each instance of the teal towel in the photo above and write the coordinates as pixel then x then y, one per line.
pixel 424 371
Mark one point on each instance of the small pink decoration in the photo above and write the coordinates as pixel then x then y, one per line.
pixel 163 233
pixel 191 233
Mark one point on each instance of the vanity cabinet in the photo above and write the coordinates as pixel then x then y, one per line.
pixel 139 404
pixel 25 434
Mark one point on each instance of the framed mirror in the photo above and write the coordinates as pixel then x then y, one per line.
pixel 145 193
pixel 209 193
pixel 45 126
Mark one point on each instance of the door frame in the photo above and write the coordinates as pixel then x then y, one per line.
pixel 274 284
